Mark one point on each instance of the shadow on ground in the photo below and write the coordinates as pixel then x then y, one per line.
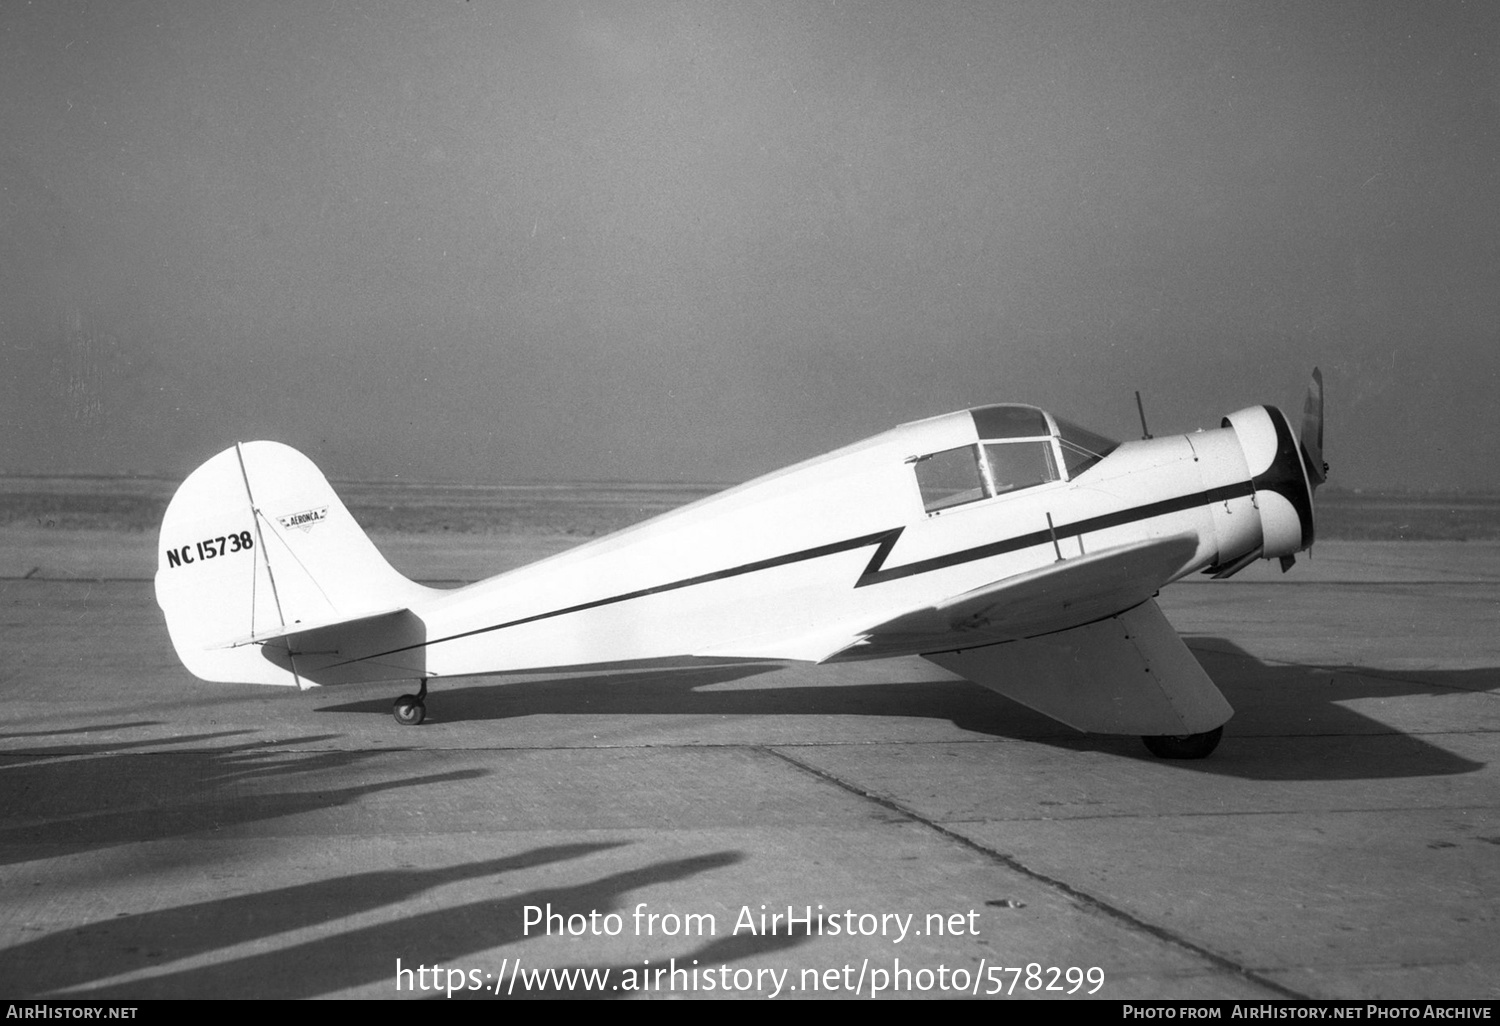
pixel 69 963
pixel 686 974
pixel 1293 712
pixel 58 802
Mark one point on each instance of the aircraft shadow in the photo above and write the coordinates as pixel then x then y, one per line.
pixel 1292 721
pixel 1294 712
pixel 354 957
pixel 51 807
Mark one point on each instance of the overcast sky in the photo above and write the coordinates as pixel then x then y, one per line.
pixel 696 241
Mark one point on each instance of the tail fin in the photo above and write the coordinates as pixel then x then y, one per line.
pixel 256 547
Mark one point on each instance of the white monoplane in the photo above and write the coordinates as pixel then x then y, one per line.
pixel 1007 545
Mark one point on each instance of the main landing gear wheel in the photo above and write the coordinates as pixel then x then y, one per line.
pixel 409 710
pixel 1184 746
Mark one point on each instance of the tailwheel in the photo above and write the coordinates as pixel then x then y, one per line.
pixel 1184 746
pixel 409 710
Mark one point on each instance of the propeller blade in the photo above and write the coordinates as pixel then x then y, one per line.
pixel 1312 431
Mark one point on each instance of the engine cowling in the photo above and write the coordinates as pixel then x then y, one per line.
pixel 1283 494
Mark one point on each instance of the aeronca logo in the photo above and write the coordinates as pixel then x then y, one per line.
pixel 304 521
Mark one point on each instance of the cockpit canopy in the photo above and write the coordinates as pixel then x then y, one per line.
pixel 1018 447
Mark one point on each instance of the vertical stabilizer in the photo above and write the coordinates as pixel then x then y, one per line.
pixel 254 543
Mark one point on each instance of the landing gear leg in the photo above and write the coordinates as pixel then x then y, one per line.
pixel 1184 746
pixel 409 710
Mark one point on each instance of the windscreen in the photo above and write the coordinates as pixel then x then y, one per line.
pixel 1081 447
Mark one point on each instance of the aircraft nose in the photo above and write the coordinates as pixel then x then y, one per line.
pixel 1283 493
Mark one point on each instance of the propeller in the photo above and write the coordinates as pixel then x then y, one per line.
pixel 1312 431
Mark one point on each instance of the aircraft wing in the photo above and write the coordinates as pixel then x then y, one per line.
pixel 1067 594
pixel 1126 674
pixel 1081 641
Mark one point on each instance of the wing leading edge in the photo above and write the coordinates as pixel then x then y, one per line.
pixel 1057 597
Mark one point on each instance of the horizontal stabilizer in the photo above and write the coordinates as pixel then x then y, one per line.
pixel 1127 674
pixel 288 630
pixel 383 646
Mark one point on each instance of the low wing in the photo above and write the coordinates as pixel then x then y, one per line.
pixel 1126 674
pixel 1067 594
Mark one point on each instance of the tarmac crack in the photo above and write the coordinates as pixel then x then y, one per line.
pixel 1085 817
pixel 1080 897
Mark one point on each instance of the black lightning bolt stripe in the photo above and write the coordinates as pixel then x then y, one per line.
pixel 886 539
pixel 876 572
